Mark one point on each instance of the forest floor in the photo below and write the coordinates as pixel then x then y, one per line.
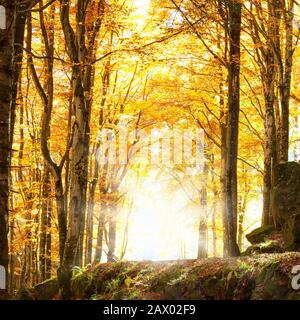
pixel 261 276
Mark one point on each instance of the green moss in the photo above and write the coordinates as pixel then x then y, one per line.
pixel 262 276
pixel 259 235
pixel 96 297
pixel 269 246
pixel 82 283
pixel 46 290
pixel 166 277
pixel 244 266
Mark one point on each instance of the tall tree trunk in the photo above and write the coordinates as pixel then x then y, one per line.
pixel 46 96
pixel 214 206
pixel 79 171
pixel 103 188
pixel 202 230
pixel 81 48
pixel 12 258
pixel 223 132
pixel 243 199
pixel 269 75
pixel 6 83
pixel 285 78
pixel 100 233
pixel 112 232
pixel 94 183
pixel 45 236
pixel 235 14
pixel 49 244
pixel 241 218
pixel 223 129
pixel 90 223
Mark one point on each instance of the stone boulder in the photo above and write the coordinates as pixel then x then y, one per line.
pixel 285 203
pixel 286 193
pixel 269 246
pixel 260 234
pixel 291 233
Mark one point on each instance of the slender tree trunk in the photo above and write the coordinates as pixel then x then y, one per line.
pixel 79 172
pixel 100 233
pixel 269 161
pixel 112 232
pixel 235 13
pixel 270 144
pixel 223 127
pixel 202 231
pixel 94 183
pixel 45 236
pixel 46 96
pixel 49 245
pixel 243 201
pixel 90 224
pixel 214 207
pixel 286 78
pixel 223 132
pixel 12 258
pixel 241 228
pixel 42 244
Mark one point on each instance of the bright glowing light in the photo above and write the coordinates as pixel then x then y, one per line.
pixel 163 223
pixel 160 226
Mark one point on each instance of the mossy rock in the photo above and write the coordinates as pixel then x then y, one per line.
pixel 285 203
pixel 272 283
pixel 274 279
pixel 260 234
pixel 264 247
pixel 291 232
pixel 286 193
pixel 245 287
pixel 82 285
pixel 213 287
pixel 46 290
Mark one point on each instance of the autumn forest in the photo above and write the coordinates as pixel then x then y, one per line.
pixel 143 137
